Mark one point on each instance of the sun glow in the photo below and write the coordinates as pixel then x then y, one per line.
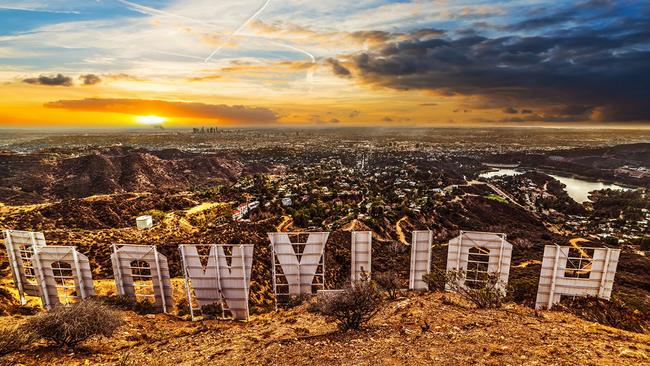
pixel 151 120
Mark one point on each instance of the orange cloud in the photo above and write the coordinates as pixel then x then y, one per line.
pixel 225 113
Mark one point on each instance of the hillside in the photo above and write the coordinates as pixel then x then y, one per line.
pixel 458 335
pixel 90 199
pixel 93 224
pixel 52 175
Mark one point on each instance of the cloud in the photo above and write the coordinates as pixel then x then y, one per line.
pixel 58 80
pixel 318 119
pixel 577 74
pixel 90 79
pixel 544 21
pixel 510 110
pixel 123 76
pixel 337 68
pixel 226 113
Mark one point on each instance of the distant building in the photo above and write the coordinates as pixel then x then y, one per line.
pixel 286 201
pixel 638 173
pixel 243 209
pixel 144 222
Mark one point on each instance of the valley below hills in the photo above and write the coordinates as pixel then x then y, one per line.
pixel 235 187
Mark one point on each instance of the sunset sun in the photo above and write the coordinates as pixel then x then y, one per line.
pixel 150 120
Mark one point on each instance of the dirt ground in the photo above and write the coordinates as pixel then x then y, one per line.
pixel 422 329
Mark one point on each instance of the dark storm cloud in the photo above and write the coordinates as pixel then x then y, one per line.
pixel 578 73
pixel 371 36
pixel 235 114
pixel 90 79
pixel 426 33
pixel 376 36
pixel 337 68
pixel 57 80
pixel 545 21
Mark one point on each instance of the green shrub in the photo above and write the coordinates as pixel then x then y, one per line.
pixel 436 279
pixel 496 197
pixel 296 300
pixel 489 296
pixel 645 244
pixel 117 302
pixel 182 307
pixel 68 326
pixel 354 306
pixel 121 302
pixel 390 282
pixel 145 307
pixel 523 290
pixel 212 311
pixel 612 313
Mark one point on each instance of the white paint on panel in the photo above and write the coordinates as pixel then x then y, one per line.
pixel 589 273
pixel 420 258
pixel 144 222
pixel 493 249
pixel 128 281
pixel 361 254
pixel 20 248
pixel 222 278
pixel 64 275
pixel 298 268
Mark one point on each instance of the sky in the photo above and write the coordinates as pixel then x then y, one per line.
pixel 118 63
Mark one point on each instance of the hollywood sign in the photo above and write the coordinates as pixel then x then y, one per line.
pixel 217 276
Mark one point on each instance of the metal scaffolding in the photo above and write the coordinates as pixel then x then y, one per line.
pixel 478 255
pixel 218 274
pixel 142 273
pixel 575 271
pixel 420 258
pixel 361 254
pixel 298 266
pixel 64 275
pixel 20 250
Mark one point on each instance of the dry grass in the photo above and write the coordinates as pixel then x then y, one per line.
pixel 612 313
pixel 69 326
pixel 457 336
pixel 14 338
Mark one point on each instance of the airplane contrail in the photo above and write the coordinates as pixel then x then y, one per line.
pixel 239 29
pixel 2 7
pixel 310 72
pixel 177 54
pixel 151 11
